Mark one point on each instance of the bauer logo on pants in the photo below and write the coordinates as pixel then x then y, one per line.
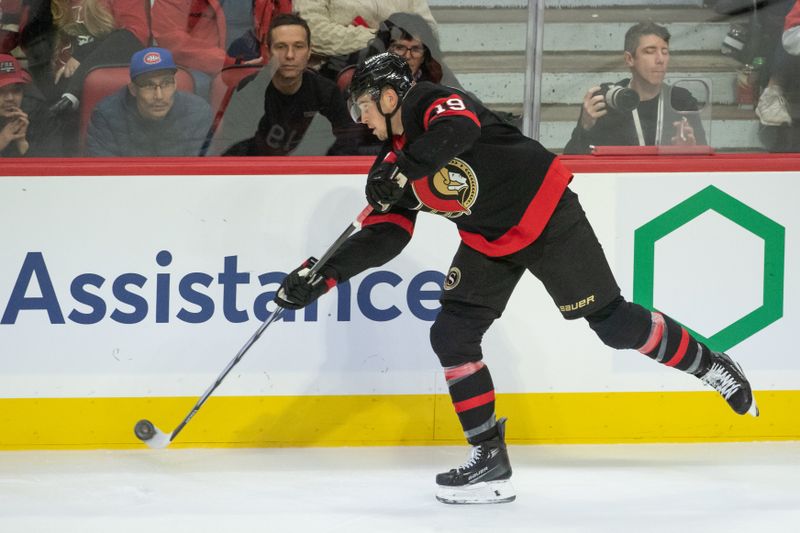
pixel 452 279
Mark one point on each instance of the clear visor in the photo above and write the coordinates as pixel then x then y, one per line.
pixel 356 108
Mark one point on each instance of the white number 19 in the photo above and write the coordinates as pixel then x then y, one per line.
pixel 456 104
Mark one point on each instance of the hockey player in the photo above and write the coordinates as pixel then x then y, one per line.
pixel 447 154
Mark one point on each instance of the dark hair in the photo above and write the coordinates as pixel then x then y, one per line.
pixel 288 19
pixel 637 31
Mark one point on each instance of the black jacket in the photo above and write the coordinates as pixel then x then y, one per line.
pixel 287 118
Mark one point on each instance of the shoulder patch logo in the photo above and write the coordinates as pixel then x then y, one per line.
pixel 452 279
pixel 450 192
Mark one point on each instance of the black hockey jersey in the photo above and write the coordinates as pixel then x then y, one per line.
pixel 462 162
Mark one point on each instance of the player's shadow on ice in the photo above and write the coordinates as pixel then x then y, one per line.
pixel 346 403
pixel 334 408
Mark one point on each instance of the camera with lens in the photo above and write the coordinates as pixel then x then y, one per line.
pixel 619 98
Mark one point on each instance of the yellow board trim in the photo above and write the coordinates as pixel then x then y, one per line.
pixel 382 420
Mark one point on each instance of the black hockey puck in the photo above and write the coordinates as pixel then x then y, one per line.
pixel 144 430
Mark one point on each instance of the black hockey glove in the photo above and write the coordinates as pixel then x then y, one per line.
pixel 297 290
pixel 385 186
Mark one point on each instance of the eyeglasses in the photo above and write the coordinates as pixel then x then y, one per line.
pixel 401 49
pixel 151 86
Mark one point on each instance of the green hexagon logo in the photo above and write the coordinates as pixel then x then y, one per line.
pixel 711 198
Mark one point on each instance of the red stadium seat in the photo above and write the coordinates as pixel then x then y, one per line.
pixel 222 88
pixel 104 81
pixel 344 77
pixel 229 78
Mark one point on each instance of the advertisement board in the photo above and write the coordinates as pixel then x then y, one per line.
pixel 137 290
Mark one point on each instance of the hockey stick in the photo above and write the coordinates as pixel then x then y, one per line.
pixel 154 437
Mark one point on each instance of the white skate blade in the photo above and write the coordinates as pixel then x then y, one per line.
pixel 484 492
pixel 159 440
pixel 753 411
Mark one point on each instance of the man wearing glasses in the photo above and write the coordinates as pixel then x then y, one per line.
pixel 412 38
pixel 149 117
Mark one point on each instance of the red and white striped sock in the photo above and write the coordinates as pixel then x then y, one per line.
pixel 472 392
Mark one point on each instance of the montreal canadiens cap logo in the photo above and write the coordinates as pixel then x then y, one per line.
pixel 153 58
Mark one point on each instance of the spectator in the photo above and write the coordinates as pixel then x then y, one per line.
pixel 410 36
pixel 149 117
pixel 23 130
pixel 199 32
pixel 600 123
pixel 194 30
pixel 296 95
pixel 14 121
pixel 791 31
pixel 251 46
pixel 37 38
pixel 760 38
pixel 92 33
pixel 10 15
pixel 343 28
pixel 780 101
pixel 772 107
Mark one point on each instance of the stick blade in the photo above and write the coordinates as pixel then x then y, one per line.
pixel 148 433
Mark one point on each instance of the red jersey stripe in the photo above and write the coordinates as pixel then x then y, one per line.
pixel 422 188
pixel 678 357
pixel 398 220
pixel 533 221
pixel 655 335
pixel 447 111
pixel 465 113
pixel 398 142
pixel 475 401
pixel 463 370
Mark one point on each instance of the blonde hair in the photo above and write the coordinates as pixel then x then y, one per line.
pixel 97 19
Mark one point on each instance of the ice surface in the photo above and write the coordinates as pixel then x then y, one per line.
pixel 738 487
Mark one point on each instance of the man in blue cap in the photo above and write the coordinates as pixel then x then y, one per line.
pixel 149 117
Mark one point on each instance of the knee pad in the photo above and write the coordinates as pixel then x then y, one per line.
pixel 457 332
pixel 621 324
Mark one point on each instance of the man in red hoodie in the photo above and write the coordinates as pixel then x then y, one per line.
pixel 194 30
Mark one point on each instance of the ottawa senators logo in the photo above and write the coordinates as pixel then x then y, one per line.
pixel 450 192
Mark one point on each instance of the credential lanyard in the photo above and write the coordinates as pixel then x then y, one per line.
pixel 659 120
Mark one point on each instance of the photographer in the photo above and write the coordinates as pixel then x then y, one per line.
pixel 642 110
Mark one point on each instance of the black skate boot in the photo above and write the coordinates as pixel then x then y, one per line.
pixel 484 478
pixel 726 376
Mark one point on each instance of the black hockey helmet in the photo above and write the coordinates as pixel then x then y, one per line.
pixel 374 74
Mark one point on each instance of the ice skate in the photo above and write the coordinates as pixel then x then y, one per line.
pixel 484 478
pixel 726 377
